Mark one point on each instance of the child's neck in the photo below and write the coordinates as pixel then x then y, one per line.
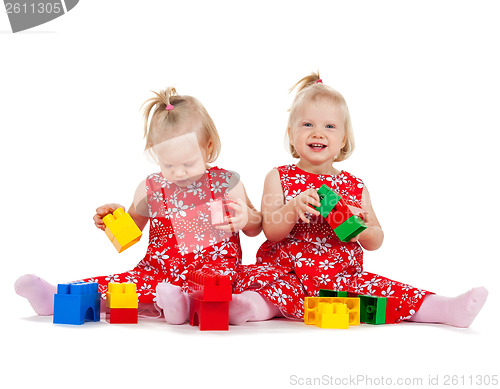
pixel 325 168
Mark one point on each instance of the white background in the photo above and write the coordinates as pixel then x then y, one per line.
pixel 422 84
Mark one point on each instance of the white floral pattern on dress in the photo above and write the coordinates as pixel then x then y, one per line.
pixel 312 257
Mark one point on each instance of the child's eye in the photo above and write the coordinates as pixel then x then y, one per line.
pixel 307 125
pixel 330 126
pixel 167 166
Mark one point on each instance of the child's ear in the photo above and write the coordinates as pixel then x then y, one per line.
pixel 210 147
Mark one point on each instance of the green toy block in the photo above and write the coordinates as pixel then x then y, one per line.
pixel 328 200
pixel 373 309
pixel 350 228
pixel 332 293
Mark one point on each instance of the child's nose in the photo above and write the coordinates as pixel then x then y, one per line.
pixel 179 172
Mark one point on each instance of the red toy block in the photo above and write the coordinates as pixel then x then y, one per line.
pixel 344 223
pixel 339 215
pixel 209 315
pixel 122 315
pixel 209 295
pixel 219 209
pixel 393 310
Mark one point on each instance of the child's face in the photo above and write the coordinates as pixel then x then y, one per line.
pixel 318 132
pixel 182 160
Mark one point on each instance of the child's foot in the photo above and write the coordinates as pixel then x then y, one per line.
pixel 250 306
pixel 457 311
pixel 174 302
pixel 463 309
pixel 39 293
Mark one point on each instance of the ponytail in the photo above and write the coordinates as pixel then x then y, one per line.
pixel 167 109
pixel 163 101
pixel 306 81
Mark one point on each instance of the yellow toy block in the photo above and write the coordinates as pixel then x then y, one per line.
pixel 121 229
pixel 122 295
pixel 332 312
pixel 334 315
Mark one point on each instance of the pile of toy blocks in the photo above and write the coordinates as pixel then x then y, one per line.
pixel 77 302
pixel 338 215
pixel 370 309
pixel 209 295
pixel 121 229
pixel 122 303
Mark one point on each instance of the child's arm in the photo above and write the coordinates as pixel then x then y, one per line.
pixel 373 236
pixel 278 218
pixel 138 210
pixel 106 209
pixel 246 217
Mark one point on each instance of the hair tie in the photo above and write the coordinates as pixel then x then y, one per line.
pixel 169 107
pixel 320 81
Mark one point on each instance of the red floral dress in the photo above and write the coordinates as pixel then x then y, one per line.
pixel 181 235
pixel 311 257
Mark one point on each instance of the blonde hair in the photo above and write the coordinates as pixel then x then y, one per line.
pixel 311 88
pixel 167 109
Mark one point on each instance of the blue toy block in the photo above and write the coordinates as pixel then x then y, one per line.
pixel 76 303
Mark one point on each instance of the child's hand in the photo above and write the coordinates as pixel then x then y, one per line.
pixel 102 211
pixel 363 215
pixel 239 220
pixel 303 203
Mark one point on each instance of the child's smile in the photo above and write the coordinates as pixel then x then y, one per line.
pixel 317 147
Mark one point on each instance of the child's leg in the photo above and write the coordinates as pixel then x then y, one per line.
pixel 457 311
pixel 251 306
pixel 39 293
pixel 174 302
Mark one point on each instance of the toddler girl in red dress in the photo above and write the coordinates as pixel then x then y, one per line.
pixel 302 253
pixel 176 202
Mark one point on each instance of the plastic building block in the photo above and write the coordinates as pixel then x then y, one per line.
pixel 328 200
pixel 332 293
pixel 209 300
pixel 122 295
pixel 122 316
pixel 122 302
pixel 218 210
pixel 344 223
pixel 76 303
pixel 340 214
pixel 121 229
pixel 373 309
pixel 331 312
pixel 392 311
pixel 332 315
pixel 350 228
pixel 379 310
